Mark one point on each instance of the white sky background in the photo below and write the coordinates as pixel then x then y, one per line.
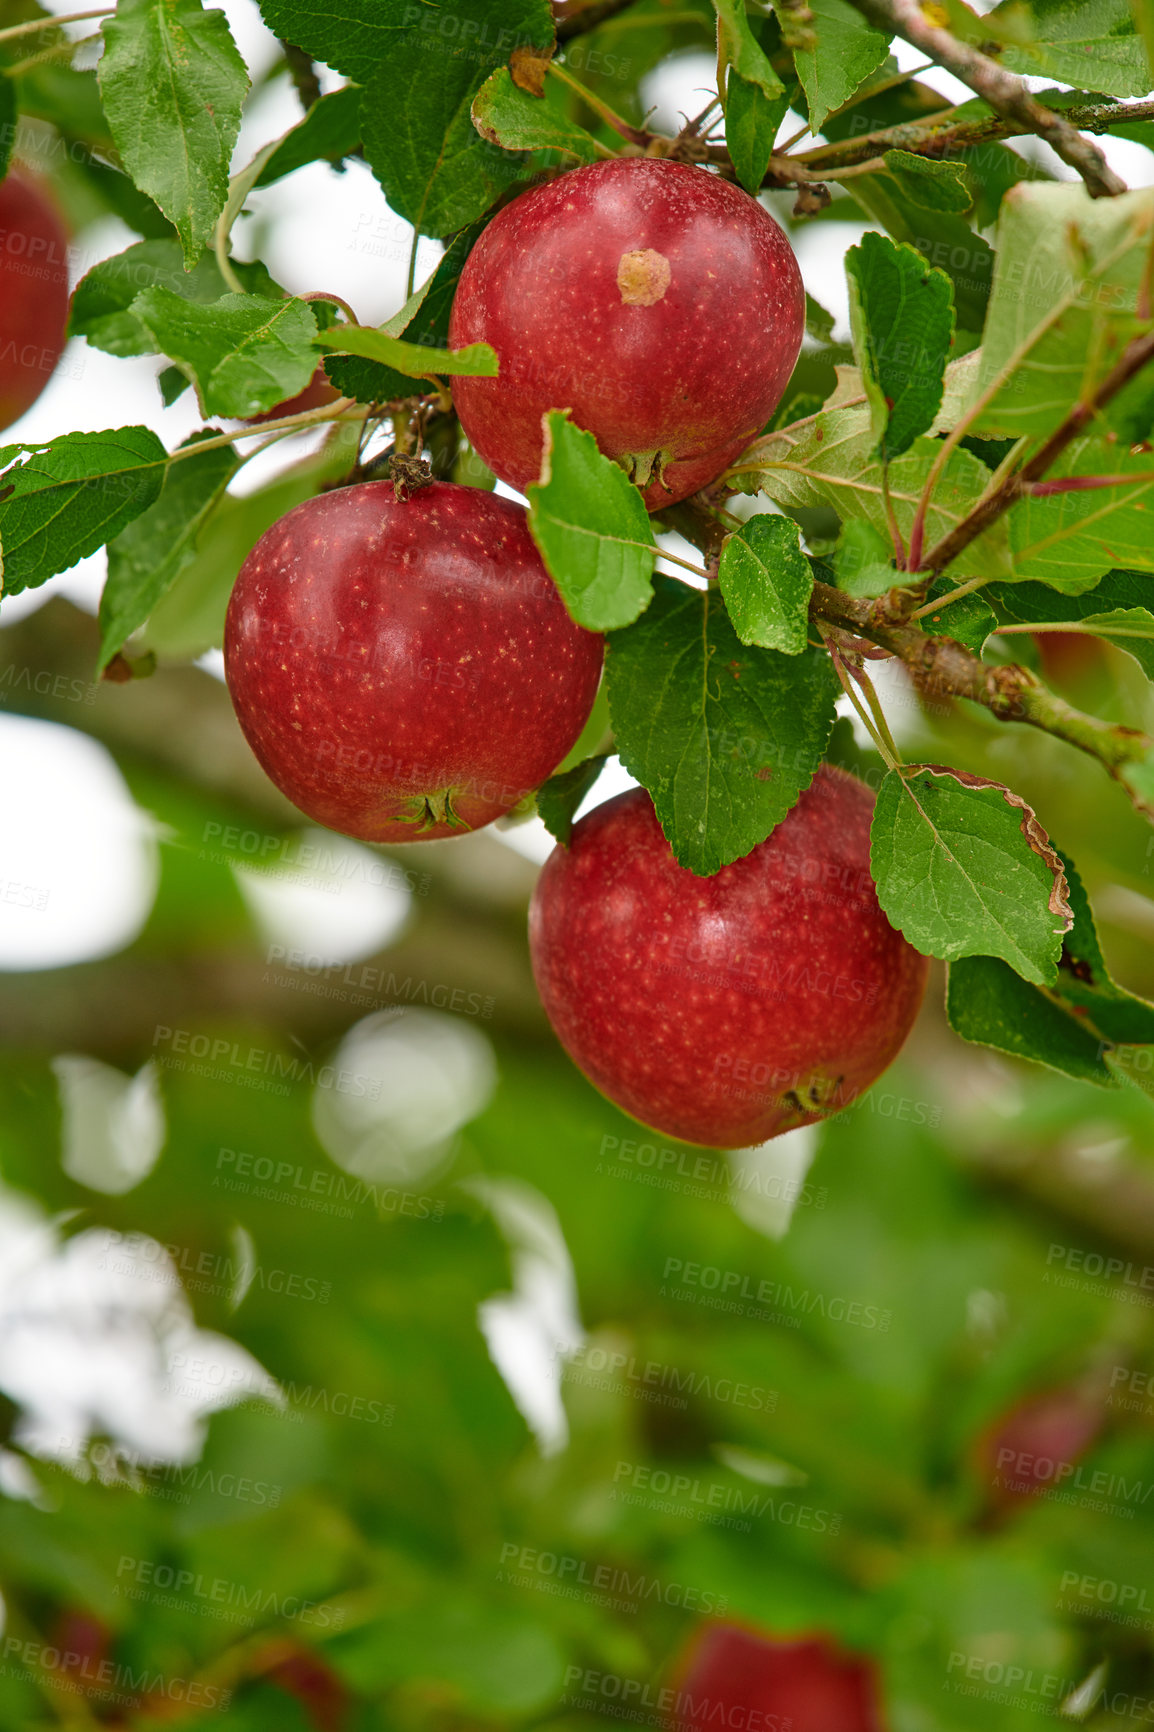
pixel 315 230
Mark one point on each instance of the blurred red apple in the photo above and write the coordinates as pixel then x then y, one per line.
pixel 1037 1445
pixel 1070 656
pixel 33 293
pixel 729 1009
pixel 736 1677
pixel 662 305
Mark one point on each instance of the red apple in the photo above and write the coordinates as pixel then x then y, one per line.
pixel 735 1677
pixel 663 306
pixel 1069 656
pixel 725 1010
pixel 1035 1447
pixel 405 668
pixel 33 293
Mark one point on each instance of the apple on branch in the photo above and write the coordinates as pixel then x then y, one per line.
pixel 725 1010
pixel 661 305
pixel 33 293
pixel 404 668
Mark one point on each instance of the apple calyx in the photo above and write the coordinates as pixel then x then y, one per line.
pixel 821 1095
pixel 644 467
pixel 426 811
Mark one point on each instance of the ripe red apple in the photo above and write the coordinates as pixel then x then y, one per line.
pixel 33 293
pixel 663 306
pixel 725 1010
pixel 405 668
pixel 1035 1447
pixel 779 1685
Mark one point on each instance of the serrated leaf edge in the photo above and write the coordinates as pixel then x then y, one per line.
pixel 1031 828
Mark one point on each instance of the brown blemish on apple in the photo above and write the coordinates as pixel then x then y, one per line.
pixel 643 277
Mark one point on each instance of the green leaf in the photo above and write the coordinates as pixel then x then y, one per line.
pixel 559 797
pixel 969 621
pixel 829 461
pixel 433 166
pixel 424 319
pixel 171 383
pixel 752 120
pixel 146 558
pixel 1131 413
pixel 1115 609
pixel 1144 19
pixel 7 122
pixel 172 83
pixel 944 239
pixel 330 131
pixel 990 1005
pixel 1062 307
pixel 767 582
pixel 1085 982
pixel 738 48
pixel 357 36
pixel 189 618
pixel 932 184
pixel 492 1659
pixel 421 70
pixel 592 529
pixel 513 120
pixel 902 315
pixel 818 323
pixel 963 868
pixel 1070 539
pixel 1137 777
pixel 477 361
pixel 1130 629
pixel 102 302
pixel 67 499
pixel 847 51
pixel 1077 42
pixel 429 321
pixel 799 407
pixel 243 353
pixel 726 738
pixel 864 559
pixel 1070 1027
pixel 1037 601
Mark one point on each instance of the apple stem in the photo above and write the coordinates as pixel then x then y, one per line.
pixel 331 300
pixel 53 22
pixel 967 588
pixel 873 724
pixel 338 411
pixel 891 519
pixel 631 134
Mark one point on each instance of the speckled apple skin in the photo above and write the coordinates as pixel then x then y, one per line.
pixel 697 373
pixel 381 651
pixel 725 1010
pixel 33 293
pixel 737 1677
